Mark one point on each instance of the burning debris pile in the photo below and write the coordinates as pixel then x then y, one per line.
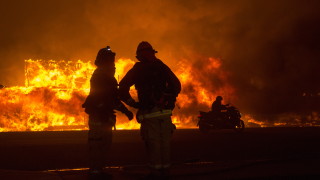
pixel 200 86
pixel 51 98
pixel 55 90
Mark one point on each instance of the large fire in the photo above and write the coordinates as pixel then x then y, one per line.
pixel 55 90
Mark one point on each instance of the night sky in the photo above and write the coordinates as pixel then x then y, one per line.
pixel 270 47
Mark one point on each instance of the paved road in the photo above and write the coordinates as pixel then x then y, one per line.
pixel 257 152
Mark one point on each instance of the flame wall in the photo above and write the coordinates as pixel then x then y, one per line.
pixel 55 90
pixel 269 50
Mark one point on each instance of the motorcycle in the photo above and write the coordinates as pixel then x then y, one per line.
pixel 226 119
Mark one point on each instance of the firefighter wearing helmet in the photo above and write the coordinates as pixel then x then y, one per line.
pixel 157 88
pixel 100 105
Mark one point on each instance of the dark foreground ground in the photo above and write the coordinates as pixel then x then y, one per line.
pixel 257 153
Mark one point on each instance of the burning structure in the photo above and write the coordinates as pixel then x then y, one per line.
pixel 270 53
pixel 51 98
pixel 54 91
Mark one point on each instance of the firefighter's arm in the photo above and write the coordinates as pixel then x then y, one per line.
pixel 93 102
pixel 173 88
pixel 121 107
pixel 124 88
pixel 174 84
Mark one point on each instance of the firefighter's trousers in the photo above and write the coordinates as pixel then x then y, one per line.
pixel 99 139
pixel 156 133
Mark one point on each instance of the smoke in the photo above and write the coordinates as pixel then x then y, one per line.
pixel 270 48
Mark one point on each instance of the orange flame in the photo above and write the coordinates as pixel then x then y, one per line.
pixel 52 96
pixel 54 91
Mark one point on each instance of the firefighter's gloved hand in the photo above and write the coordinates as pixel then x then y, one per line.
pixel 170 105
pixel 129 114
pixel 171 102
pixel 100 105
pixel 131 102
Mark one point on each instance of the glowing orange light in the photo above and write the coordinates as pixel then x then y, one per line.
pixel 55 90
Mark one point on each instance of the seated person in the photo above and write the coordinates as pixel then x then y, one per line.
pixel 217 107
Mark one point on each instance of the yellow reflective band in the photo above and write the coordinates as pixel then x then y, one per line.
pixel 166 112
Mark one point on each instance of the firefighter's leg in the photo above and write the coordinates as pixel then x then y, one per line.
pixel 95 143
pixel 106 141
pixel 99 141
pixel 167 129
pixel 150 131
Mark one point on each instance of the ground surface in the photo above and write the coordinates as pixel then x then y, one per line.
pixel 257 153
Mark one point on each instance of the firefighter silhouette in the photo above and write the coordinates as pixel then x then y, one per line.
pixel 100 104
pixel 157 88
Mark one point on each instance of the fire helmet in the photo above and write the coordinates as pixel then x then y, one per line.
pixel 105 55
pixel 219 98
pixel 144 45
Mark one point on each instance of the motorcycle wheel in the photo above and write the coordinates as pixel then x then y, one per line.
pixel 204 128
pixel 240 127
